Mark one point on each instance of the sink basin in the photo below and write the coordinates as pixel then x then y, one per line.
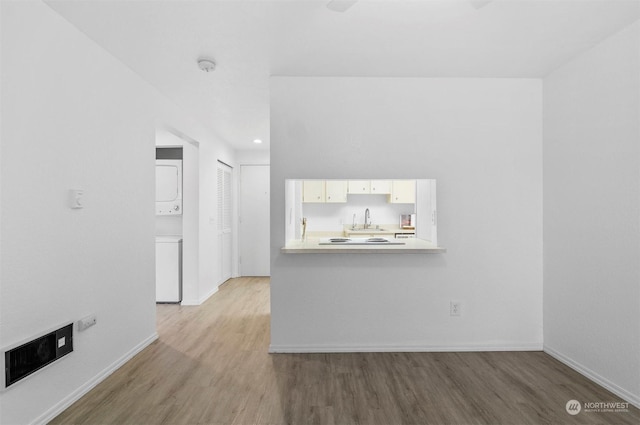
pixel 360 241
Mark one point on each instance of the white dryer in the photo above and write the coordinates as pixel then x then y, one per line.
pixel 168 187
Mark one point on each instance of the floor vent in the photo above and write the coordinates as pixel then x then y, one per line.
pixel 25 359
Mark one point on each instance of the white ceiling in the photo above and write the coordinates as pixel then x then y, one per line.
pixel 250 40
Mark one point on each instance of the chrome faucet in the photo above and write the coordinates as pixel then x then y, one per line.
pixel 366 218
pixel 304 228
pixel 353 225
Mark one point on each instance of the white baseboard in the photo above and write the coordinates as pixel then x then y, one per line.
pixel 201 299
pixel 208 295
pixel 315 348
pixel 89 385
pixel 598 379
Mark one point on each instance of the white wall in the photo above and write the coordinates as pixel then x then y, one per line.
pixel 252 157
pixel 592 213
pixel 481 139
pixel 81 120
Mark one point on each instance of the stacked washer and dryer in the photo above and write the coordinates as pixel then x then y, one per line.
pixel 168 247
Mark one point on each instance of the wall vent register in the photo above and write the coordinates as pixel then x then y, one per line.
pixel 22 361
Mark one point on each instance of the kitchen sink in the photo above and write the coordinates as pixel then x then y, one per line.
pixel 377 240
pixel 360 241
pixel 370 230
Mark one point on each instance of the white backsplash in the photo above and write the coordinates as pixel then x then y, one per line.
pixel 330 217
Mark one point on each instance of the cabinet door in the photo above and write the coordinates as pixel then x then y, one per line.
pixel 403 192
pixel 381 186
pixel 359 186
pixel 313 191
pixel 336 191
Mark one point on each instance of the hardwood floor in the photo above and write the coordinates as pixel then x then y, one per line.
pixel 211 366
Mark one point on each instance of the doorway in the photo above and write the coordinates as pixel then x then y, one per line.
pixel 255 226
pixel 225 208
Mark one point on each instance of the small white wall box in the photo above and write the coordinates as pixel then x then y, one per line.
pixel 25 359
pixel 75 199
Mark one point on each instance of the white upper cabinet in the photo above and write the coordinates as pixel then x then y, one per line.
pixel 321 191
pixel 381 187
pixel 313 191
pixel 336 191
pixel 360 186
pixel 403 192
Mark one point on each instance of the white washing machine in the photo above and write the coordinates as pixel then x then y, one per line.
pixel 168 269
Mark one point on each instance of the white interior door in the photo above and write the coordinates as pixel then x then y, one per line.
pixel 225 219
pixel 254 220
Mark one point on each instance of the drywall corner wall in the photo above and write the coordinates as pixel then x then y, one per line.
pixel 68 128
pixel 592 213
pixel 1 137
pixel 88 123
pixel 481 139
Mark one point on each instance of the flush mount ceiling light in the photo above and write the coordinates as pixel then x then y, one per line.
pixel 257 141
pixel 207 65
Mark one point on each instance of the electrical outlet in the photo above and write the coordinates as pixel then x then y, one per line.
pixel 455 308
pixel 87 322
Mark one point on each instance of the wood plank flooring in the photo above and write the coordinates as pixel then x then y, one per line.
pixel 211 366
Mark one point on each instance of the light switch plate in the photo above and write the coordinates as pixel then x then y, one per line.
pixel 76 200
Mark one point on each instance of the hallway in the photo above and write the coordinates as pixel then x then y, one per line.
pixel 210 366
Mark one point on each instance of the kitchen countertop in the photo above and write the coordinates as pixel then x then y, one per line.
pixel 409 246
